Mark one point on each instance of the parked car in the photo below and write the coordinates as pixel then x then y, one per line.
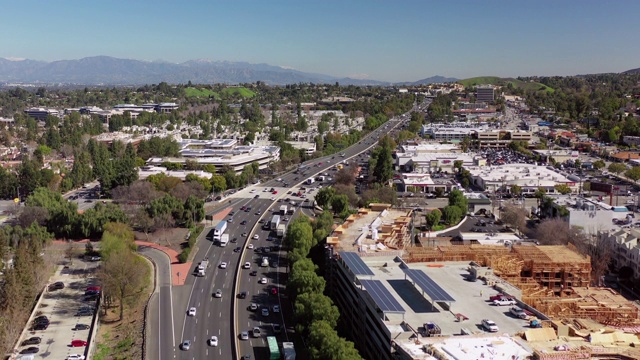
pixel 518 312
pixel 504 302
pixel 489 325
pixel 56 286
pixel 30 350
pixel 75 357
pixel 35 340
pixel 500 296
pixel 81 327
pixel 78 343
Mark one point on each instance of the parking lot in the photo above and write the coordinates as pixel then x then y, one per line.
pixel 64 315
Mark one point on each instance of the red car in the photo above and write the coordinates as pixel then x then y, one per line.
pixel 274 192
pixel 78 343
pixel 274 291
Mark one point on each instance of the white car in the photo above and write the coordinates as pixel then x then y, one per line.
pixel 218 293
pixel 250 246
pixel 244 335
pixel 223 265
pixel 253 191
pixel 75 357
pixel 256 237
pixel 213 341
pixel 276 308
pixel 263 280
pixel 489 325
pixel 265 312
pixel 192 311
pixel 273 198
pixel 504 302
pixel 246 265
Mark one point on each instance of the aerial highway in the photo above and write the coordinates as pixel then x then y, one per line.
pixel 227 316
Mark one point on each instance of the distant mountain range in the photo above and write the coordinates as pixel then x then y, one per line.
pixel 105 70
pixel 632 71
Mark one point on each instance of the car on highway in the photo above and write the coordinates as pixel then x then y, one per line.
pixel 250 246
pixel 244 234
pixel 243 295
pixel 223 265
pixel 256 332
pixel 263 280
pixel 276 308
pixel 246 265
pixel 273 198
pixel 213 341
pixel 277 328
pixel 218 293
pixel 274 291
pixel 186 345
pixel 489 325
pixel 265 312
pixel 244 222
pixel 81 327
pixel 504 302
pixel 253 307
pixel 78 343
pixel 256 237
pixel 244 335
pixel 35 340
pixel 75 357
pixel 192 311
pixel 237 249
pixel 254 273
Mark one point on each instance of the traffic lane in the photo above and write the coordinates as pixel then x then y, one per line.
pixel 161 326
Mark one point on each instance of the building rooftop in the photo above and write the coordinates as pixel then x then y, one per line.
pixel 497 347
pixel 519 174
pixel 430 147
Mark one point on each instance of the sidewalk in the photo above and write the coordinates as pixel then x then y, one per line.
pixel 179 271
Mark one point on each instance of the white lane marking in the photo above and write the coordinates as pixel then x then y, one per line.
pixel 173 327
pixel 160 320
pixel 209 314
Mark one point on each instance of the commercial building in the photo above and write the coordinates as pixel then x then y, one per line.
pixel 588 214
pixel 423 183
pixel 222 153
pixel 41 114
pixel 308 147
pixel 146 171
pixel 627 248
pixel 434 162
pixel 558 156
pixel 527 176
pixel 485 93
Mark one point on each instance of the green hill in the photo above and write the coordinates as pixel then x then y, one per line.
pixel 494 80
pixel 195 92
pixel 242 91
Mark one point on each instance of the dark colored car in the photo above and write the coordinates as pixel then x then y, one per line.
pixel 32 341
pixel 84 312
pixel 41 326
pixel 56 286
pixel 244 222
pixel 30 350
pixel 243 295
pixel 253 273
pixel 81 327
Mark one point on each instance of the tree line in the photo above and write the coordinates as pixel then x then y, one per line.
pixel 315 314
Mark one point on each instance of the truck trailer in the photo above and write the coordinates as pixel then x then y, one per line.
pixel 224 239
pixel 283 210
pixel 275 221
pixel 202 267
pixel 282 230
pixel 288 351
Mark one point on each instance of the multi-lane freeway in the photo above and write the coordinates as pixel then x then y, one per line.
pixel 226 317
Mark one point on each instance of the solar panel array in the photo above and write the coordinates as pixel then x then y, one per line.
pixel 382 296
pixel 355 263
pixel 435 292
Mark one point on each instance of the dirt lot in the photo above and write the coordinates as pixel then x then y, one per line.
pixel 171 238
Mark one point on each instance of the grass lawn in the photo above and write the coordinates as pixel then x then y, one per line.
pixel 242 91
pixel 195 92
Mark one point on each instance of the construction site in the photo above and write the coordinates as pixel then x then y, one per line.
pixel 555 281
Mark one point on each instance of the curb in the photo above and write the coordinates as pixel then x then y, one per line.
pixel 145 342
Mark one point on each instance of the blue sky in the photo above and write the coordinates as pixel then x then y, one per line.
pixel 382 40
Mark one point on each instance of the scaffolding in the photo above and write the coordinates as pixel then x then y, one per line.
pixel 481 254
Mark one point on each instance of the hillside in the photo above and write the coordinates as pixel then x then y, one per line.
pixel 494 80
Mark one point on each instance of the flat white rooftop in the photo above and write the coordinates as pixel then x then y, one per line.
pixel 520 174
pixel 488 347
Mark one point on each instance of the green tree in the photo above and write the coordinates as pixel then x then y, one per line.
pixel 324 196
pixel 324 343
pixel 516 190
pixel 340 205
pixel 457 198
pixel 599 164
pixel 433 218
pixel 633 173
pixel 617 168
pixel 219 183
pixel 314 306
pixel 452 214
pixel 563 189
